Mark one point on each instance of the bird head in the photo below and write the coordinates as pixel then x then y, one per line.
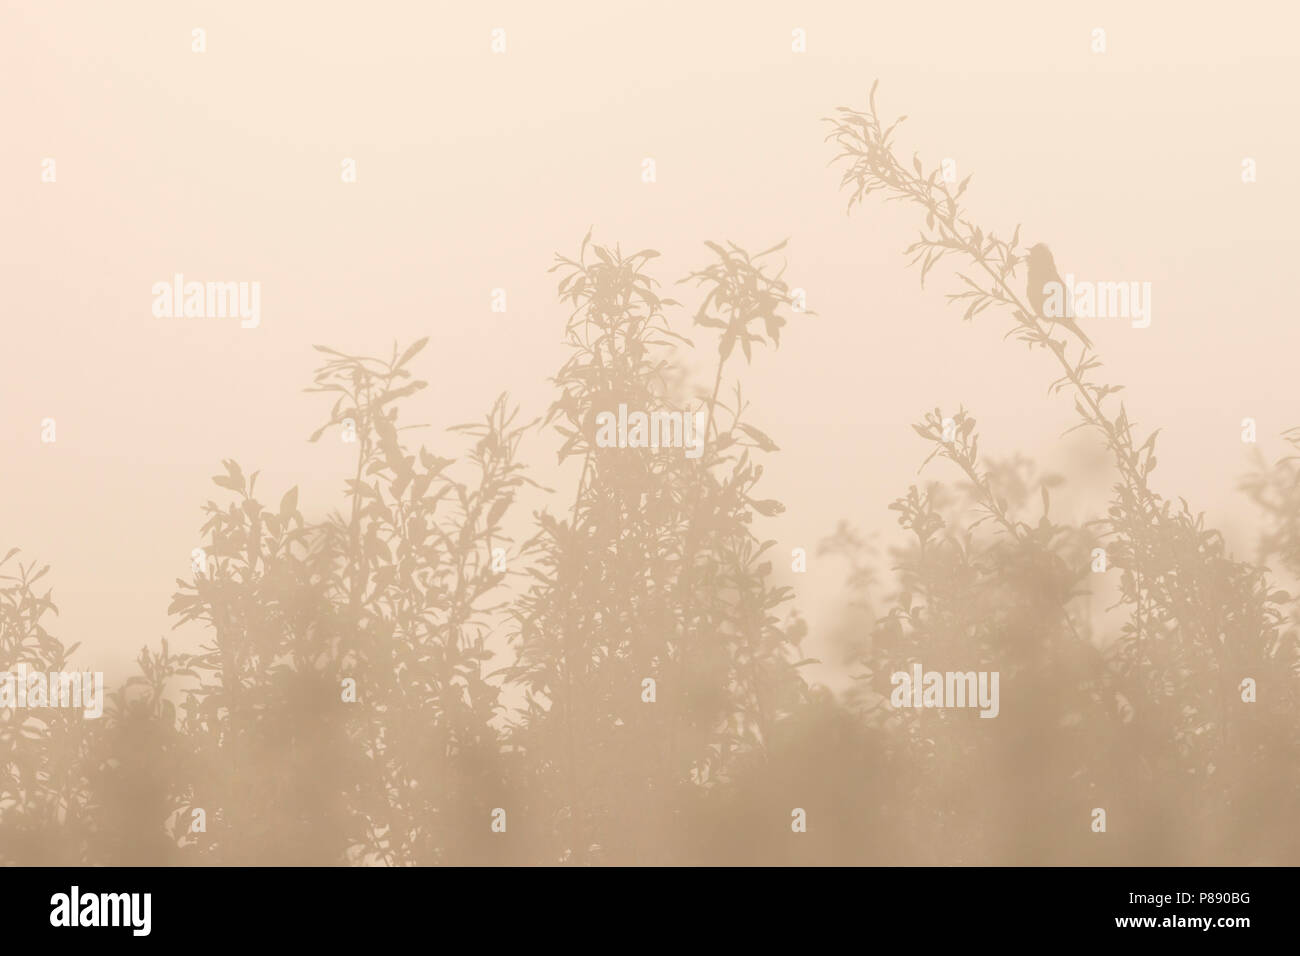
pixel 1040 257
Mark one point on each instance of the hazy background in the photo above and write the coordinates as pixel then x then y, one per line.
pixel 474 169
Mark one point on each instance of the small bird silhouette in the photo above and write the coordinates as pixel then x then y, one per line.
pixel 1042 270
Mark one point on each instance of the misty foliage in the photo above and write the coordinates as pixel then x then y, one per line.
pixel 1142 716
pixel 373 684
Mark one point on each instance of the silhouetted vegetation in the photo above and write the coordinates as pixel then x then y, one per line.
pixel 374 684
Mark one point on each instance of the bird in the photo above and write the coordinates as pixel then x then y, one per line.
pixel 1042 270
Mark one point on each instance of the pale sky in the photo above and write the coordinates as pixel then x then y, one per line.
pixel 475 168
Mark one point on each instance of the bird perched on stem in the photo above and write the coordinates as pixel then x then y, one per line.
pixel 1042 271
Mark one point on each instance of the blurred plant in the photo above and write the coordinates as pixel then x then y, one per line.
pixel 1200 622
pixel 1275 490
pixel 42 793
pixel 342 707
pixel 390 601
pixel 653 574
